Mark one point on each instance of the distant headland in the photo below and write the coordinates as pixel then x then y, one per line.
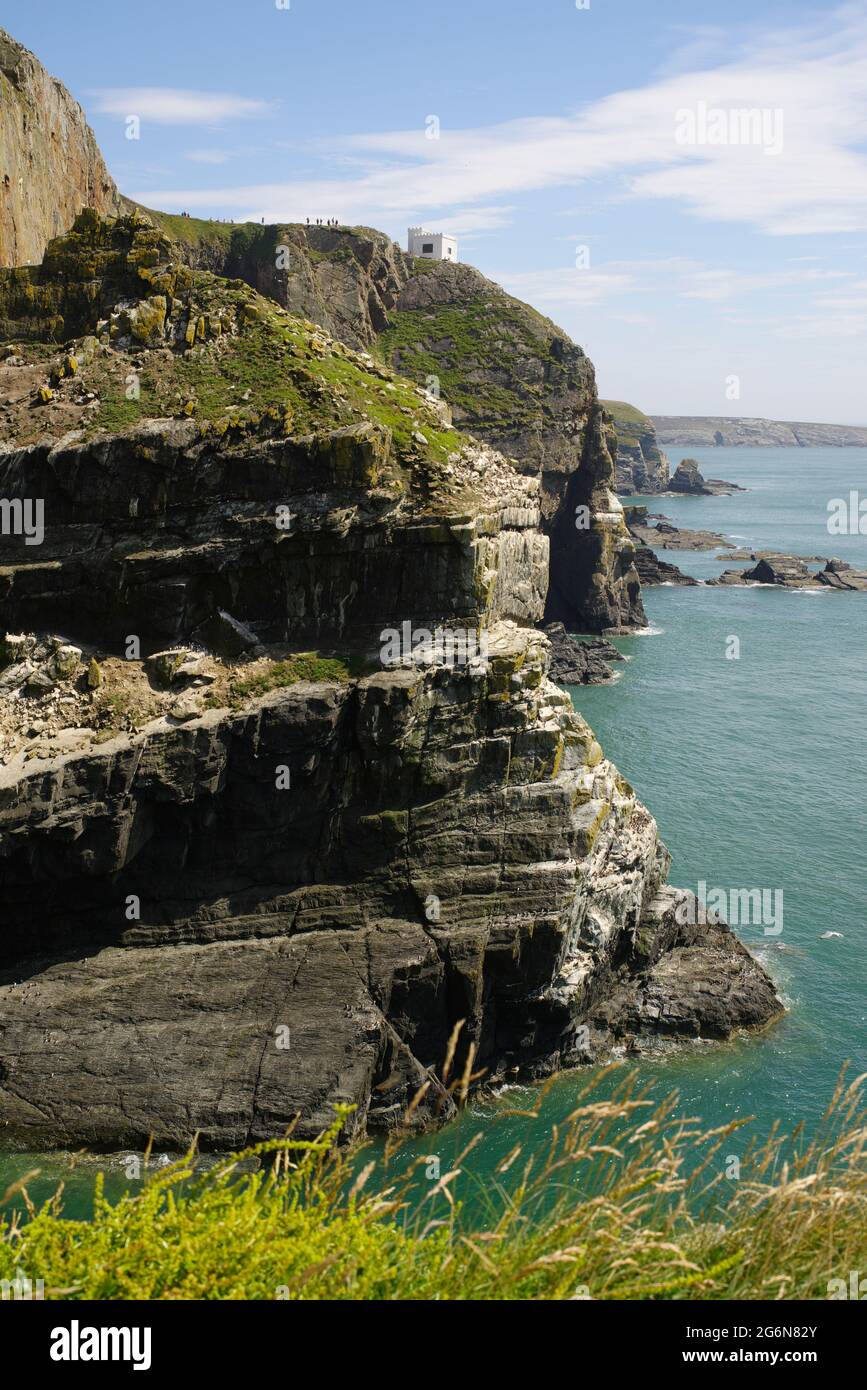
pixel 705 431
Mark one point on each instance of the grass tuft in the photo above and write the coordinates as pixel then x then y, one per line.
pixel 630 1201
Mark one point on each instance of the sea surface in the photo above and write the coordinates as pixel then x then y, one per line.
pixel 756 771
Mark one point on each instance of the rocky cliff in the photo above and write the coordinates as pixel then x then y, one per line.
pixel 507 374
pixel 514 378
pixel 50 164
pixel 347 279
pixel 641 466
pixel 690 431
pixel 244 879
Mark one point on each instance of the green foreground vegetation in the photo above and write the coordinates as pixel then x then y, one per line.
pixel 631 1201
pixel 301 666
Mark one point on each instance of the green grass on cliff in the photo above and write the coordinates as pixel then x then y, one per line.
pixel 302 666
pixel 194 231
pixel 470 345
pixel 629 1202
pixel 272 363
pixel 203 346
pixel 626 414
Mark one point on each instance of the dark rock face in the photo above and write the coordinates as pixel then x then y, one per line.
pixel 516 380
pixel 685 980
pixel 214 951
pixel 594 585
pixel 451 847
pixel 346 279
pixel 788 569
pixel 688 479
pixel 157 531
pixel 579 663
pixel 652 570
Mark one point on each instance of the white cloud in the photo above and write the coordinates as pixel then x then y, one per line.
pixel 176 105
pixel 567 287
pixel 675 277
pixel 817 182
pixel 209 156
pixel 717 285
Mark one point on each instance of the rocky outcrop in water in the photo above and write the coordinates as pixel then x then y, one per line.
pixel 839 574
pixel 574 662
pixel 663 536
pixel 688 480
pixel 50 164
pixel 242 885
pixel 652 528
pixel 794 572
pixel 686 980
pixel 654 570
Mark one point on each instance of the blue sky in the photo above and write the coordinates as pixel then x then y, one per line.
pixel 591 160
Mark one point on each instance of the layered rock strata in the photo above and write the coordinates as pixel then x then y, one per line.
pixel 288 884
pixel 188 947
pixel 794 572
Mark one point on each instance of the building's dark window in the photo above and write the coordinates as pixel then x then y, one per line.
pixel 427 249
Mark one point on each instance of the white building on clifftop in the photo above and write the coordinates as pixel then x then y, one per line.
pixel 433 246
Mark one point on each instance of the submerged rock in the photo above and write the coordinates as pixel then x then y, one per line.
pixel 575 662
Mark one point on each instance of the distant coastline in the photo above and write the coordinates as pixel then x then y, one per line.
pixel 709 431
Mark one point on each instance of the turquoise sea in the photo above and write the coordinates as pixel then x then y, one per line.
pixel 756 771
